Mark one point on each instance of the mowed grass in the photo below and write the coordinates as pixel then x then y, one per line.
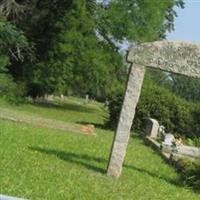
pixel 39 163
pixel 72 110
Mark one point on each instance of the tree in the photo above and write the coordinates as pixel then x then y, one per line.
pixel 80 46
pixel 187 88
pixel 138 20
pixel 14 46
pixel 79 60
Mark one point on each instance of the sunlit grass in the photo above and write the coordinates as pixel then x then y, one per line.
pixel 39 163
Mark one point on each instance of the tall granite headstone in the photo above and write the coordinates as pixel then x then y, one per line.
pixel 176 57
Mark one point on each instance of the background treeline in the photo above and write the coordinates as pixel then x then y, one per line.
pixel 73 47
pixel 159 101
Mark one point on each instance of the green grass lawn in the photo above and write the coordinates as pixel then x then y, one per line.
pixel 72 110
pixel 39 163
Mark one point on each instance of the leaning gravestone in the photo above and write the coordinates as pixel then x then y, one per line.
pixel 176 57
pixel 152 128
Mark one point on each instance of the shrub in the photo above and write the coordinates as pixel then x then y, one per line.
pixel 6 84
pixel 177 115
pixel 13 47
pixel 190 173
pixel 35 90
pixel 194 142
pixel 9 90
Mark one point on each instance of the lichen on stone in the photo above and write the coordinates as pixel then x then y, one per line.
pixel 176 57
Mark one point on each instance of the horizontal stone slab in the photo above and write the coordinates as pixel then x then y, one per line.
pixel 189 151
pixel 176 57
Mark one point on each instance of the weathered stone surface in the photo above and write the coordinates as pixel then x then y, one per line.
pixel 177 57
pixel 189 151
pixel 126 118
pixel 152 128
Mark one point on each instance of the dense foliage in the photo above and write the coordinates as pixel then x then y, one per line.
pixel 78 62
pixel 74 44
pixel 177 115
pixel 185 87
pixel 190 173
pixel 13 46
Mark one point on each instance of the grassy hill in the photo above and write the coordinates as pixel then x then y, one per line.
pixel 42 163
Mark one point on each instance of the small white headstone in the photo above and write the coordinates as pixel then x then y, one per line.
pixel 62 97
pixel 86 99
pixel 50 97
pixel 169 139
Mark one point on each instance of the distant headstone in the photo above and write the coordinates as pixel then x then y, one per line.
pixel 46 96
pixel 152 128
pixel 62 97
pixel 86 99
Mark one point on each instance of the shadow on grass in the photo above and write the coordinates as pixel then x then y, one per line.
pixel 85 160
pixel 64 106
pixel 79 159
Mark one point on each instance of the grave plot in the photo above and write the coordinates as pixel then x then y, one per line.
pixel 175 57
pixel 166 143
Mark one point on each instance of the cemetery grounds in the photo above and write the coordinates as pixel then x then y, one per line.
pixel 42 163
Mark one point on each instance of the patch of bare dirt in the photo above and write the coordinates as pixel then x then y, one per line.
pixel 18 117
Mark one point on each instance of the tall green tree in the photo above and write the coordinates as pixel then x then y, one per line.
pixel 76 41
pixel 13 47
pixel 182 86
pixel 187 88
pixel 79 61
pixel 84 52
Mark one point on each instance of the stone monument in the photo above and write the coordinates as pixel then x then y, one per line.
pixel 176 57
pixel 152 128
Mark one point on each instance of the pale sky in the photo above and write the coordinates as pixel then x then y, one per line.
pixel 187 24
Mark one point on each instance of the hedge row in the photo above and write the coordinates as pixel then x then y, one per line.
pixel 177 115
pixel 190 173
